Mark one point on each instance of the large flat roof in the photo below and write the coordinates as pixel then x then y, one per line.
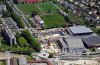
pixel 80 30
pixel 92 41
pixel 74 43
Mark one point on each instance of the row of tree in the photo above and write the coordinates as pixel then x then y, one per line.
pixel 16 49
pixel 31 40
pixel 22 2
pixel 18 20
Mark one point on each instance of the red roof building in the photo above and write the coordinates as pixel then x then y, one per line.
pixel 29 1
pixel 42 62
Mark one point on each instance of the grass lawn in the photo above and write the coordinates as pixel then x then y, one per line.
pixel 54 20
pixel 40 7
pixel 2 62
pixel 29 58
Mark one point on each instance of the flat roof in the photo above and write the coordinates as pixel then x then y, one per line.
pixel 80 30
pixel 92 41
pixel 37 17
pixel 74 44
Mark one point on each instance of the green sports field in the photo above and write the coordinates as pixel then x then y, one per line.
pixel 44 7
pixel 40 7
pixel 27 8
pixel 51 20
pixel 54 20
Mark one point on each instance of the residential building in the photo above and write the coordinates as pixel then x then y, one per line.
pixel 22 61
pixel 29 1
pixel 39 62
pixel 95 16
pixel 39 21
pixel 2 7
pixel 9 30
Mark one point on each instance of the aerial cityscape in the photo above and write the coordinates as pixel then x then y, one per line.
pixel 49 32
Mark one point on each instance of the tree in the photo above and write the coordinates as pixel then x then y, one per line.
pixel 67 18
pixel 66 10
pixel 98 30
pixel 57 10
pixel 0 21
pixel 49 11
pixel 15 1
pixel 9 8
pixel 50 55
pixel 2 1
pixel 34 13
pixel 5 14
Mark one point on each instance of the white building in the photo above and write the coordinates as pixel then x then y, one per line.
pixel 2 7
pixel 22 61
pixel 39 20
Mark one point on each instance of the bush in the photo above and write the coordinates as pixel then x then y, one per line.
pixel 98 30
pixel 50 55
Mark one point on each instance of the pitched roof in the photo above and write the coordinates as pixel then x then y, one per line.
pixel 92 41
pixel 40 61
pixel 28 1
